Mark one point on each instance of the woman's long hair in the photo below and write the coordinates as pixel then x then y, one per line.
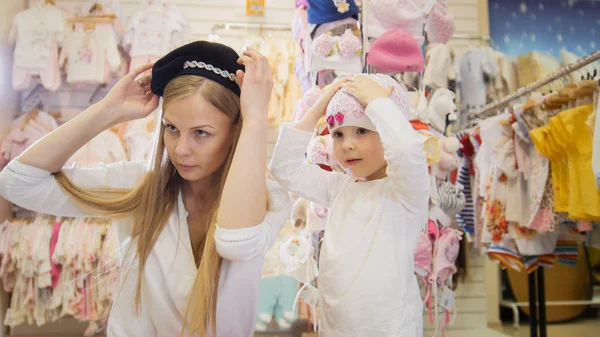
pixel 154 199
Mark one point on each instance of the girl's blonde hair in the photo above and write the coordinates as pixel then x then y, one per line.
pixel 153 200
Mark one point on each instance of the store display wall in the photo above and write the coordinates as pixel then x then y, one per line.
pixel 518 27
pixel 202 15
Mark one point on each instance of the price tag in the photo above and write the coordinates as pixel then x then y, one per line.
pixel 447 298
pixel 255 7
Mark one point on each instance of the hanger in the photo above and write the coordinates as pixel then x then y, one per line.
pixel 92 20
pixel 56 114
pixel 32 114
pixel 586 88
pixel 568 92
pixel 96 7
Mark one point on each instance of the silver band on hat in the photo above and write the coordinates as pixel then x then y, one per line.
pixel 209 67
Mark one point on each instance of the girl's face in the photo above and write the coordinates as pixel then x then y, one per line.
pixel 359 152
pixel 197 137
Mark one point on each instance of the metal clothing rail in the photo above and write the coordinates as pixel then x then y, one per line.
pixel 483 112
pixel 470 37
pixel 245 25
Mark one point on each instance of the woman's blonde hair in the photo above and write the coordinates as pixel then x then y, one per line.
pixel 153 200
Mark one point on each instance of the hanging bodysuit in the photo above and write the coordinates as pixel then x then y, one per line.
pixel 153 32
pixel 37 33
pixel 91 54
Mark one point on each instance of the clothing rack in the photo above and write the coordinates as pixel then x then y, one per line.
pixel 245 25
pixel 471 37
pixel 536 285
pixel 489 109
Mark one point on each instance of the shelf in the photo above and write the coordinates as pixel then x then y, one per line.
pixel 595 301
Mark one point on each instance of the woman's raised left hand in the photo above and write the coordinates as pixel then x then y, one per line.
pixel 256 84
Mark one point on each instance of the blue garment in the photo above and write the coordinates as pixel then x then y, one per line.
pixel 277 295
pixel 466 217
pixel 323 11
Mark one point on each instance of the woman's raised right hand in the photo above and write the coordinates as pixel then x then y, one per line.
pixel 131 97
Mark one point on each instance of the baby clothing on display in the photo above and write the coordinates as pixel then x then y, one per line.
pixel 91 55
pixel 24 131
pixel 441 109
pixel 468 148
pixel 138 137
pixel 277 296
pixel 596 143
pixel 385 15
pixel 105 148
pixel 154 31
pixel 37 32
pixel 439 69
pixel 335 46
pixel 475 68
pixel 277 287
pixel 108 7
pixel 56 268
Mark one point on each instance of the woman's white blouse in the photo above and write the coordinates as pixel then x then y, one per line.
pixel 170 268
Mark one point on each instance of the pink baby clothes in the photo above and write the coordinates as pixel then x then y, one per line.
pixel 55 268
pixel 18 140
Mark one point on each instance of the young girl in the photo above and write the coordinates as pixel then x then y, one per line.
pixel 188 275
pixel 367 281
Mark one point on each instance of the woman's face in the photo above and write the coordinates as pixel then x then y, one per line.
pixel 197 137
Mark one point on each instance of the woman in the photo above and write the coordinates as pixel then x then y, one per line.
pixel 201 218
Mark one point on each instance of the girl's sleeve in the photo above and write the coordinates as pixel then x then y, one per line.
pixel 248 243
pixel 403 152
pixel 289 166
pixel 37 190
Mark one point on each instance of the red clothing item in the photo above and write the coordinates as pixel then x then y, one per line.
pixel 55 269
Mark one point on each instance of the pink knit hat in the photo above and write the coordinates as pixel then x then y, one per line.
pixel 440 24
pixel 396 51
pixel 384 15
pixel 345 110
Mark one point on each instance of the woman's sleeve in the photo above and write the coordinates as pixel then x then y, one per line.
pixel 289 166
pixel 37 190
pixel 403 152
pixel 248 243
